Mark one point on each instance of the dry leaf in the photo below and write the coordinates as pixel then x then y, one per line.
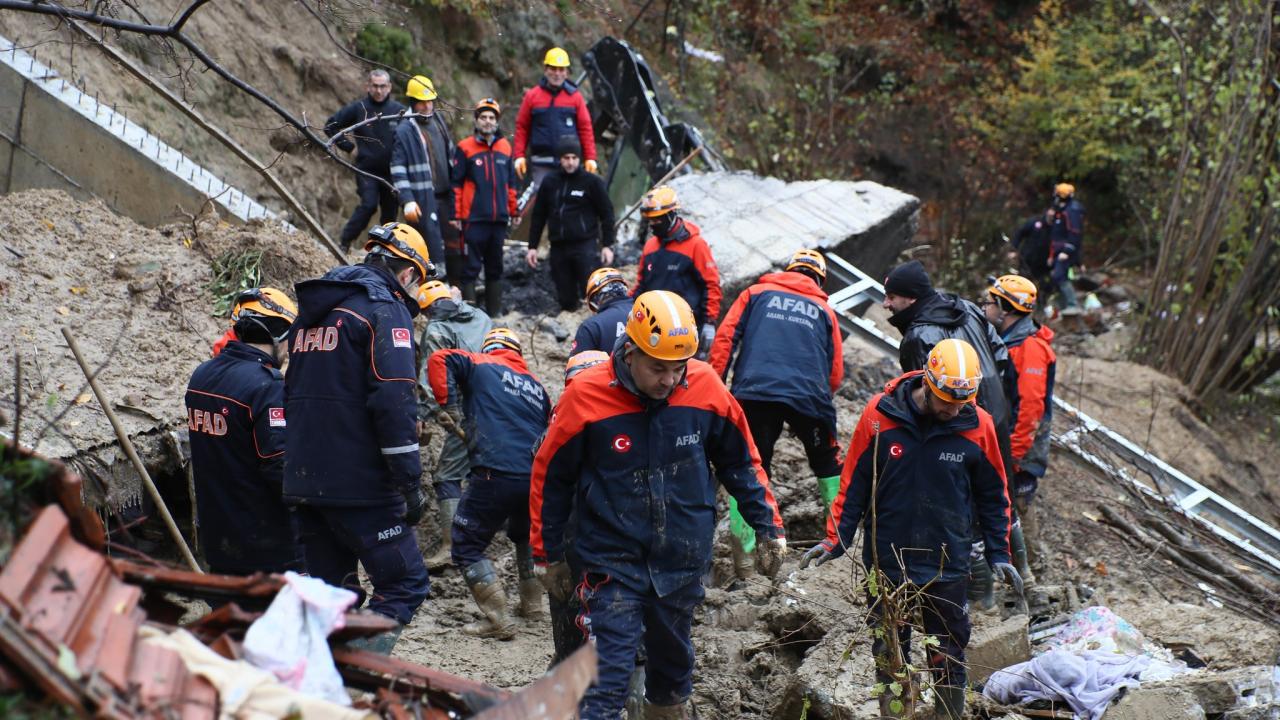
pixel 83 398
pixel 63 310
pixel 79 290
pixel 48 223
pixel 1101 567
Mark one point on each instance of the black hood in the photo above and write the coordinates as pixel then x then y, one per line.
pixel 942 309
pixel 317 297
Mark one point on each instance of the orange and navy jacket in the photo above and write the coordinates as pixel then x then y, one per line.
pixel 506 408
pixel 682 263
pixel 783 343
pixel 1030 348
pixel 627 480
pixel 351 391
pixel 546 114
pixel 483 181
pixel 930 477
pixel 235 415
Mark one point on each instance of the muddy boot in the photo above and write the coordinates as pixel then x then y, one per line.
pixel 531 591
pixel 486 588
pixel 948 702
pixel 666 712
pixel 382 643
pixel 443 556
pixel 1018 545
pixel 744 565
pixel 468 288
pixel 982 587
pixel 493 297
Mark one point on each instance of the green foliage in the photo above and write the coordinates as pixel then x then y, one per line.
pixel 389 46
pixel 20 707
pixel 233 272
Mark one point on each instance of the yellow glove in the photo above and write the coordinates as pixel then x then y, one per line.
pixel 411 212
pixel 521 165
pixel 592 167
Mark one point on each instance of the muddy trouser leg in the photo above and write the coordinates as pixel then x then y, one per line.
pixel 764 419
pixel 945 615
pixel 586 259
pixel 388 549
pixel 668 644
pixel 370 201
pixel 453 247
pixel 880 648
pixel 388 203
pixel 560 258
pixel 474 235
pixel 1024 490
pixel 614 617
pixel 1061 278
pixel 481 514
pixel 452 468
pixel 823 451
pixel 566 634
pixel 494 248
pixel 327 557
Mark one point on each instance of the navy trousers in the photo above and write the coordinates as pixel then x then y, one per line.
pixel 485 243
pixel 944 612
pixel 374 197
pixel 489 502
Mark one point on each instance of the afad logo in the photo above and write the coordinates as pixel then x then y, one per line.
pixel 896 450
pixel 621 444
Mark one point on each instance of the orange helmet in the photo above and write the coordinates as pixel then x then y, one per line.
pixel 488 104
pixel 267 307
pixel 432 291
pixel 582 361
pixel 400 240
pixel 662 326
pixel 601 279
pixel 1064 190
pixel 953 371
pixel 810 260
pixel 501 338
pixel 1015 290
pixel 659 201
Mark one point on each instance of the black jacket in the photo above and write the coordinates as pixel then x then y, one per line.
pixel 374 140
pixel 576 207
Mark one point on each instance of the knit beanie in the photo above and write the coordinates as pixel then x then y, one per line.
pixel 909 280
pixel 567 144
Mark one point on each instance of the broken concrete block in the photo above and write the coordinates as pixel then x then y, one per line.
pixel 1270 711
pixel 830 686
pixel 997 646
pixel 1155 702
pixel 1220 691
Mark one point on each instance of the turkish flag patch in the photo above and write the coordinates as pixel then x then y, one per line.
pixel 275 417
pixel 401 337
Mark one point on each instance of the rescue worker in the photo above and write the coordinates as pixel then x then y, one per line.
pixel 1067 236
pixel 550 109
pixel 372 144
pixel 416 163
pixel 452 324
pixel 1031 247
pixel 1009 307
pixel 623 481
pixel 932 456
pixel 784 315
pixel 582 361
pixel 485 201
pixel 351 460
pixel 609 299
pixel 507 410
pixel 676 258
pixel 925 316
pixel 576 208
pixel 235 414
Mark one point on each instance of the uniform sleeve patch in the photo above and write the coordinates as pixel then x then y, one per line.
pixel 275 417
pixel 401 337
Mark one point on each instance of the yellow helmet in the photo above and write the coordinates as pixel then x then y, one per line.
pixel 598 281
pixel 661 325
pixel 1016 290
pixel 953 371
pixel 265 306
pixel 582 361
pixel 1064 190
pixel 421 88
pixel 659 201
pixel 556 57
pixel 501 338
pixel 401 240
pixel 811 260
pixel 432 291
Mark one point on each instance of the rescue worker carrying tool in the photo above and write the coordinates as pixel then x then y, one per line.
pixel 676 258
pixel 609 299
pixel 550 109
pixel 351 460
pixel 930 455
pixel 485 193
pixel 507 411
pixel 235 414
pixel 623 481
pixel 784 315
pixel 416 157
pixel 372 144
pixel 576 208
pixel 1009 307
pixel 451 325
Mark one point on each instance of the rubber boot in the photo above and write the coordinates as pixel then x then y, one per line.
pixel 982 588
pixel 948 702
pixel 531 591
pixel 744 565
pixel 634 709
pixel 666 712
pixel 382 643
pixel 468 288
pixel 493 297
pixel 743 543
pixel 443 556
pixel 829 487
pixel 1018 545
pixel 486 588
pixel 1030 529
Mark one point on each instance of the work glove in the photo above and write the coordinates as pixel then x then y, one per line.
pixel 413 501
pixel 769 552
pixel 555 577
pixel 1008 574
pixel 818 554
pixel 412 212
pixel 521 165
pixel 705 338
pixel 592 167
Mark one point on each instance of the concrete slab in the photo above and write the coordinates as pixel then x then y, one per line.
pixel 11 85
pixel 997 646
pixel 1151 702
